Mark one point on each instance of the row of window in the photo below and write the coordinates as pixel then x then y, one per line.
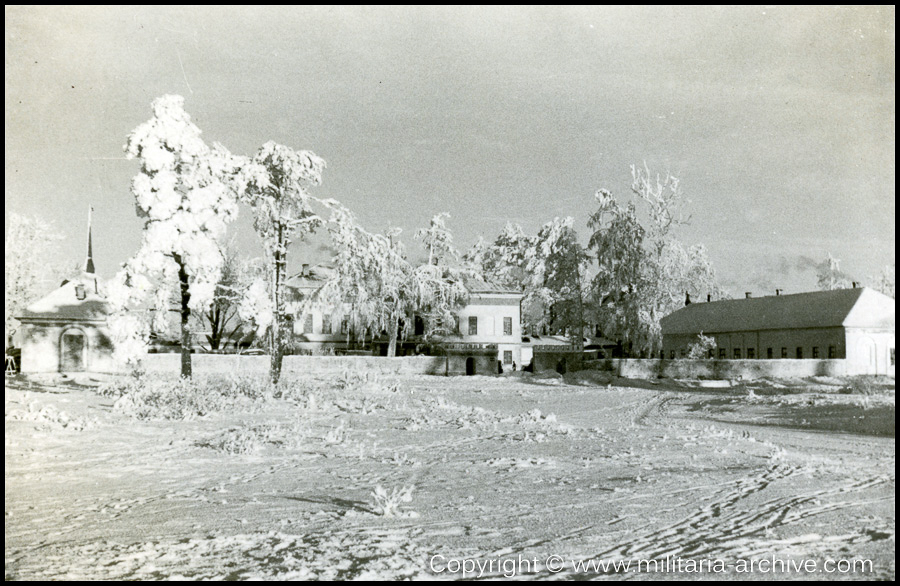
pixel 770 353
pixel 345 325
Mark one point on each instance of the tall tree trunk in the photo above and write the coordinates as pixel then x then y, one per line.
pixel 277 350
pixel 185 317
pixel 392 336
pixel 579 328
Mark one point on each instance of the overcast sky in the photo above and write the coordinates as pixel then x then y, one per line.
pixel 780 122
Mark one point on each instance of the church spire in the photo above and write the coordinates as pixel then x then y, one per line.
pixel 89 262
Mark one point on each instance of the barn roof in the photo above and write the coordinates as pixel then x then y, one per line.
pixel 63 303
pixel 859 307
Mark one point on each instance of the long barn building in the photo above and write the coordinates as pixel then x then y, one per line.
pixel 852 324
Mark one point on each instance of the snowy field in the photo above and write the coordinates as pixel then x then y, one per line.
pixel 417 477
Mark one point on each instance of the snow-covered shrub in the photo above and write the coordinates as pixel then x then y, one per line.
pixel 245 439
pixel 387 504
pixel 167 397
pixel 700 350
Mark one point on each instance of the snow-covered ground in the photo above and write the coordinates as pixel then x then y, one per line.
pixel 526 477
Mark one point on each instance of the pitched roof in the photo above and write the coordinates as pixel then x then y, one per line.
pixel 816 309
pixel 316 275
pixel 63 303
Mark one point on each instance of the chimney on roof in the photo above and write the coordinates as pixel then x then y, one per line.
pixel 687 298
pixel 855 284
pixel 778 292
pixel 304 272
pixel 708 297
pixel 80 294
pixel 748 294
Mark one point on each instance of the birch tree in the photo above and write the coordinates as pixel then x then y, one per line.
pixel 183 195
pixel 275 183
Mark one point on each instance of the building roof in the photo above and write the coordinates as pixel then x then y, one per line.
pixel 63 303
pixel 859 307
pixel 313 279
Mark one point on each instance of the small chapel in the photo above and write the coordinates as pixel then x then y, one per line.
pixel 67 331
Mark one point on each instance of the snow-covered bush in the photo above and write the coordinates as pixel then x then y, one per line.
pixel 168 397
pixel 702 348
pixel 387 504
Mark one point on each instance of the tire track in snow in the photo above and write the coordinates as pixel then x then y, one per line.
pixel 719 527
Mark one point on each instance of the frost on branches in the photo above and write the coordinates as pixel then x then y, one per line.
pixel 549 269
pixel 256 307
pixel 438 286
pixel 643 270
pixel 275 184
pixel 372 279
pixel 27 278
pixel 184 194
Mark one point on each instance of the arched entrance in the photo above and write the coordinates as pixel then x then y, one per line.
pixel 72 351
pixel 470 366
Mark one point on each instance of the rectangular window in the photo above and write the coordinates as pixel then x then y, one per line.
pixel 473 325
pixel 507 326
pixel 345 326
pixel 326 323
pixel 737 353
pixel 455 324
pixel 672 355
pixel 892 357
pixel 784 352
pixel 770 354
pixel 751 353
pixel 832 352
pixel 799 351
pixel 815 351
pixel 507 357
pixel 307 323
pixel 710 354
pixel 722 354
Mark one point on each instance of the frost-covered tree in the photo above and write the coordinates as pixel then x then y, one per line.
pixel 829 275
pixel 549 269
pixel 223 319
pixel 643 269
pixel 28 273
pixel 275 183
pixel 372 279
pixel 440 282
pixel 503 261
pixel 559 285
pixel 183 194
pixel 884 282
pixel 437 240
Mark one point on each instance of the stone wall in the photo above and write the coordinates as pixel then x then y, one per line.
pixel 720 369
pixel 296 365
